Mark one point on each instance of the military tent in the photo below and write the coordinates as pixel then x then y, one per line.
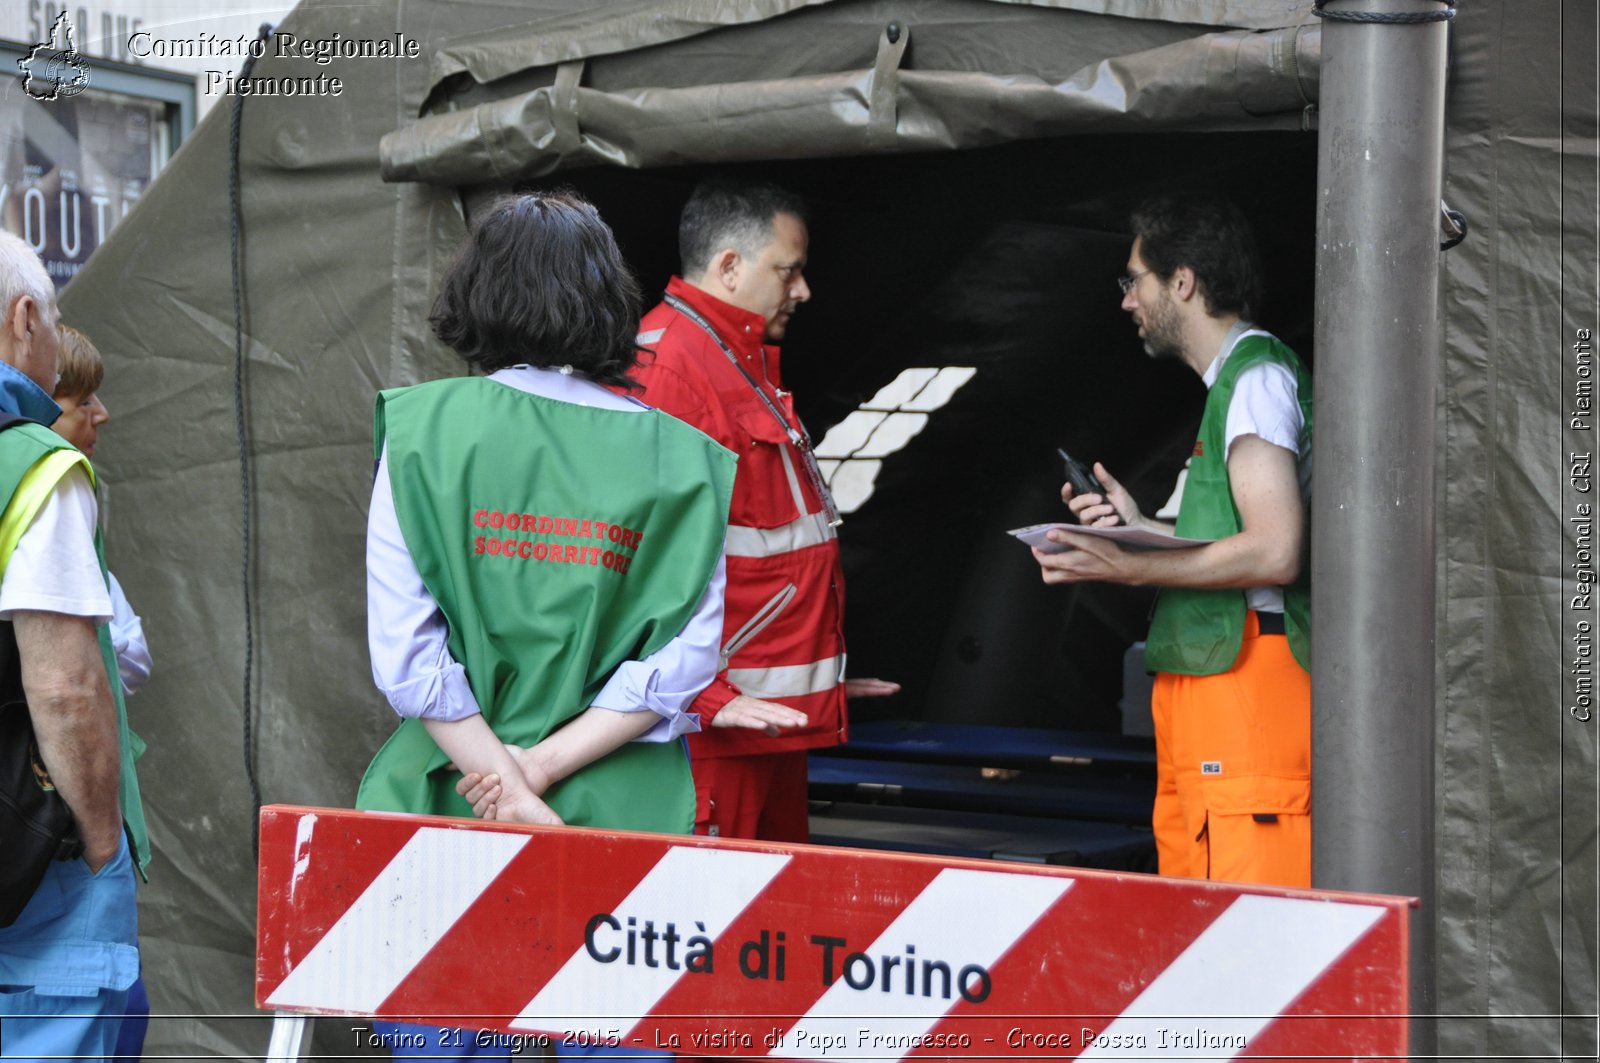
pixel 970 165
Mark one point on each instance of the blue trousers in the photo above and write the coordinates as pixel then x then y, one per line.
pixel 135 1024
pixel 67 962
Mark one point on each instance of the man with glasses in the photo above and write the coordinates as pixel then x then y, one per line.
pixel 1230 638
pixel 710 358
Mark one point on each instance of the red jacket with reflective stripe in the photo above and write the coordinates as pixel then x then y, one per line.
pixel 783 637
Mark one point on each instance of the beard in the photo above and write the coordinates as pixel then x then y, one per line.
pixel 1162 352
pixel 1163 331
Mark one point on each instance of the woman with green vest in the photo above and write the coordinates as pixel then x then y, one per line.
pixel 544 556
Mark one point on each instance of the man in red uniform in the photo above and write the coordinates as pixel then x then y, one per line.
pixel 711 360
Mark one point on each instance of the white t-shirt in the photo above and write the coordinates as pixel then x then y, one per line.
pixel 1265 403
pixel 127 638
pixel 54 568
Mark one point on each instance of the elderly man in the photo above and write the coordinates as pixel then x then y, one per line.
pixel 70 955
pixel 712 360
pixel 1230 641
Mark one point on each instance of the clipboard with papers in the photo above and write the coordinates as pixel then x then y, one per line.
pixel 1131 538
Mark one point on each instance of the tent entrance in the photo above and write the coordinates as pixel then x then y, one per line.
pixel 995 267
pixel 1002 261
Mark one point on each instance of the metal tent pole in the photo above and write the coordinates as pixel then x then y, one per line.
pixel 1380 158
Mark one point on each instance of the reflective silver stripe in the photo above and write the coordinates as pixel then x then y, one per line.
pixel 645 339
pixel 794 481
pixel 810 530
pixel 789 680
pixel 758 622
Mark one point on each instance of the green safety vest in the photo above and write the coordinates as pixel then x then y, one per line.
pixel 559 541
pixel 1200 632
pixel 33 460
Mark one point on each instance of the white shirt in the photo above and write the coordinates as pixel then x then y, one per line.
pixel 1265 403
pixel 54 568
pixel 407 633
pixel 127 638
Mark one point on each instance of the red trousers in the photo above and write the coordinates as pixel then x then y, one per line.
pixel 1233 768
pixel 761 796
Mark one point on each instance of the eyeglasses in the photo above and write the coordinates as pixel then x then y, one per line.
pixel 1128 280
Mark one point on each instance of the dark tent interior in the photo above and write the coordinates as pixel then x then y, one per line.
pixel 1004 260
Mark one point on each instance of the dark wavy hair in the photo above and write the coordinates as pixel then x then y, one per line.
pixel 540 280
pixel 1211 237
pixel 723 212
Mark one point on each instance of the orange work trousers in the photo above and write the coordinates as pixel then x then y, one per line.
pixel 1233 768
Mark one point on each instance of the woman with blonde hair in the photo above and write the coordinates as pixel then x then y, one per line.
pixel 78 391
pixel 82 370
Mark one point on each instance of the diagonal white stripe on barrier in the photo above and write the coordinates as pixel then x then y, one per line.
pixel 412 903
pixel 713 885
pixel 1241 973
pixel 962 919
pixel 304 831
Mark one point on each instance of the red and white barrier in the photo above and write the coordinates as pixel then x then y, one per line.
pixel 723 948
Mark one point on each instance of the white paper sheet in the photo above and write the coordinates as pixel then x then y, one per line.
pixel 1132 538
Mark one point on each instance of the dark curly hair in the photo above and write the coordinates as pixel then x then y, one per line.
pixel 540 280
pixel 1211 237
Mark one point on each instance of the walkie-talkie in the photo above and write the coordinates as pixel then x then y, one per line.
pixel 1078 475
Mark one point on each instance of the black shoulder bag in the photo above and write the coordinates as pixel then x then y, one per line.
pixel 36 826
